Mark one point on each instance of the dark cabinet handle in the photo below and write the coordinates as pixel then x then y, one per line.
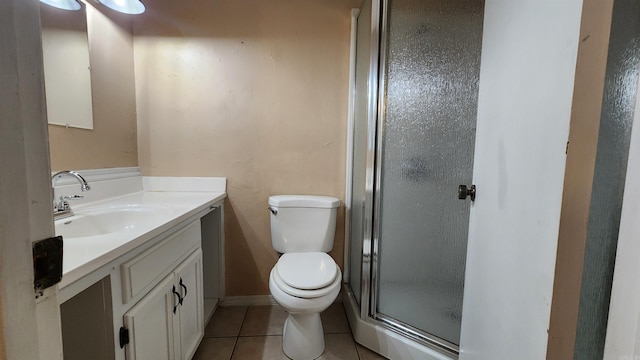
pixel 185 291
pixel 179 302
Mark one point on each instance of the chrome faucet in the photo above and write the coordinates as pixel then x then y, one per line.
pixel 62 209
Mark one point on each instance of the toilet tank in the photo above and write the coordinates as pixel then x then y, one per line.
pixel 303 223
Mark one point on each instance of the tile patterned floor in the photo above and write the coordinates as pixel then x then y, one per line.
pixel 255 333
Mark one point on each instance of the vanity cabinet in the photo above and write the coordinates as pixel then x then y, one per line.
pixel 151 325
pixel 191 318
pixel 168 322
pixel 152 302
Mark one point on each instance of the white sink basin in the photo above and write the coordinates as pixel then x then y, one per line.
pixel 109 220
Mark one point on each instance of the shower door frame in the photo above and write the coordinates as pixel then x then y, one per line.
pixel 366 276
pixel 371 232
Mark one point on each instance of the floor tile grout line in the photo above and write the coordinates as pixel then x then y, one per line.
pixel 258 335
pixel 244 316
pixel 253 336
pixel 357 350
pixel 235 343
pixel 219 337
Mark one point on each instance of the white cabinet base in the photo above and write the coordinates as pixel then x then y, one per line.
pixel 152 324
pixel 168 322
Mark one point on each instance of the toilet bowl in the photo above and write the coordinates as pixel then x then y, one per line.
pixel 305 280
pixel 305 284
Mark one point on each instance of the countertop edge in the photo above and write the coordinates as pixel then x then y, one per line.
pixel 100 261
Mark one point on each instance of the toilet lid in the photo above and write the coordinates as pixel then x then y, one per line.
pixel 306 294
pixel 307 271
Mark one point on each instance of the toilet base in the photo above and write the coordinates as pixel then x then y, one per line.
pixel 303 337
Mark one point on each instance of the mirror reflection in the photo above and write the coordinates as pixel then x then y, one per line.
pixel 66 66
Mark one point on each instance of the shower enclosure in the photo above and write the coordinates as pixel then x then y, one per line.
pixel 415 92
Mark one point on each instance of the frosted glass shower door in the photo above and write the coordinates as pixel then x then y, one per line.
pixel 431 67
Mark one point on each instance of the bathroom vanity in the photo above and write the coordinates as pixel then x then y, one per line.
pixel 143 270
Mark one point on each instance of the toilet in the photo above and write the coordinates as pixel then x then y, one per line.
pixel 305 280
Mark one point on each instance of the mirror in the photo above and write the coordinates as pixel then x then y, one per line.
pixel 107 99
pixel 67 72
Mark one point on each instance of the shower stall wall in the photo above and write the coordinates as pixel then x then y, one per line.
pixel 417 65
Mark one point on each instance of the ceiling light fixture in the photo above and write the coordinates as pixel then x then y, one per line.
pixel 124 6
pixel 63 4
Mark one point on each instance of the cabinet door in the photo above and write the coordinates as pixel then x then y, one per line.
pixel 189 279
pixel 152 324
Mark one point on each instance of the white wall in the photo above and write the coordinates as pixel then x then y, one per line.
pixel 623 329
pixel 526 86
pixel 27 330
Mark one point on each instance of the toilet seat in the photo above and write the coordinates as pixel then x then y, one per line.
pixel 307 271
pixel 304 294
pixel 306 275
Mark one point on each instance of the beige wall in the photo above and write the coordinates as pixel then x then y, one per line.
pixel 252 90
pixel 578 181
pixel 112 142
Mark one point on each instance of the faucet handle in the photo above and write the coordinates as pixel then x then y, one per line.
pixel 63 205
pixel 72 197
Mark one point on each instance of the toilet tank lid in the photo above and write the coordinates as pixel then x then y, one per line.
pixel 308 201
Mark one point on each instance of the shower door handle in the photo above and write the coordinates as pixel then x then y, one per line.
pixel 463 192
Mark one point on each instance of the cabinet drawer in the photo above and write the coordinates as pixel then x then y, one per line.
pixel 142 272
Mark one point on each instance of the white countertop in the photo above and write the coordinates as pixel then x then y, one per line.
pixel 83 255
